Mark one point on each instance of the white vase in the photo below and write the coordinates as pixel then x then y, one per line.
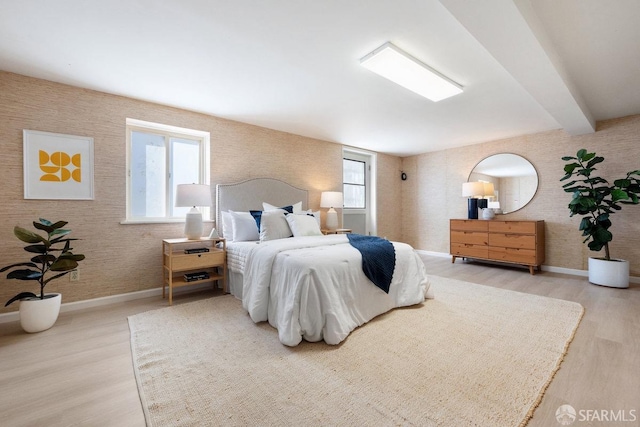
pixel 37 315
pixel 487 213
pixel 613 273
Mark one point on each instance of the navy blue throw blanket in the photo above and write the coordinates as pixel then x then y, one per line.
pixel 378 258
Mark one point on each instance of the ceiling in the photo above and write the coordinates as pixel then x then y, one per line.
pixel 526 66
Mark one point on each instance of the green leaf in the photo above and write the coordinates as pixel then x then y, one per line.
pixel 36 249
pixel 41 259
pixel 596 180
pixel 20 264
pixel 24 275
pixel 44 227
pixel 585 223
pixel 44 221
pixel 581 153
pixel 569 168
pixel 623 183
pixel 59 224
pixel 567 158
pixel 64 264
pixel 594 161
pixel 619 195
pixel 60 232
pixel 28 236
pixel 20 296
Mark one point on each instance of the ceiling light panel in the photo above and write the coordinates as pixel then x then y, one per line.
pixel 401 68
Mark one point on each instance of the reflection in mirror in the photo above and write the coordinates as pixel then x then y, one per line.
pixel 514 179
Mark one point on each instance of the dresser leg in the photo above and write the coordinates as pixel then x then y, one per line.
pixel 453 259
pixel 531 270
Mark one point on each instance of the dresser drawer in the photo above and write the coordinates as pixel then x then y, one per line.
pixel 521 256
pixel 471 237
pixel 522 241
pixel 468 225
pixel 467 250
pixel 528 227
pixel 191 261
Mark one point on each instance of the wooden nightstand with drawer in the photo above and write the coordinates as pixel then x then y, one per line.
pixel 190 262
pixel 517 242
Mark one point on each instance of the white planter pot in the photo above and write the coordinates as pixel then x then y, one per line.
pixel 37 315
pixel 613 273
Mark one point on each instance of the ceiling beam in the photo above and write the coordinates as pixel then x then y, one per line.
pixel 512 33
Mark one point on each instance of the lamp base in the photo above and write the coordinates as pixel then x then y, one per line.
pixel 472 209
pixel 332 219
pixel 193 225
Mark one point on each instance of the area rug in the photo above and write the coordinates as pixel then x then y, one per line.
pixel 474 355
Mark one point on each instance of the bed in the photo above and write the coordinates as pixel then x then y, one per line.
pixel 309 287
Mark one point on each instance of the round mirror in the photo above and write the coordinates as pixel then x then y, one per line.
pixel 514 179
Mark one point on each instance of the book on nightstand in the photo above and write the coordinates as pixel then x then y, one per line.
pixel 190 277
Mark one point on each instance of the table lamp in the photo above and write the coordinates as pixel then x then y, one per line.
pixel 331 199
pixel 193 195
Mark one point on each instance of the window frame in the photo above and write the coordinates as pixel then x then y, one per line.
pixel 168 132
pixel 365 186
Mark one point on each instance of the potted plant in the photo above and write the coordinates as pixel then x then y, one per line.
pixel 40 312
pixel 597 200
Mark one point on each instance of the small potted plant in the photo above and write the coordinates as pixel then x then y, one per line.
pixel 50 262
pixel 597 200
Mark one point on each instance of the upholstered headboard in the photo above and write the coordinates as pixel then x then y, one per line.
pixel 249 195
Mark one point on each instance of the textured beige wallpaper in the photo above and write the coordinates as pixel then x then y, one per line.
pixel 126 258
pixel 432 194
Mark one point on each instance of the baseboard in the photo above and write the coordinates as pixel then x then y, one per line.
pixel 112 299
pixel 549 268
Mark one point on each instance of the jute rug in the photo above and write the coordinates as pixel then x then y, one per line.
pixel 474 355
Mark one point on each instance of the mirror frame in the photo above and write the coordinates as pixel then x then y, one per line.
pixel 537 175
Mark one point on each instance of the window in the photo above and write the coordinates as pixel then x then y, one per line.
pixel 354 187
pixel 159 157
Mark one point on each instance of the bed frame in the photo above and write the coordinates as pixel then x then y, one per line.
pixel 249 195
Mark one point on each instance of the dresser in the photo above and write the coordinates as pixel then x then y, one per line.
pixel 515 242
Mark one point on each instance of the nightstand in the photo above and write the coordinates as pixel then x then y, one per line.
pixel 337 231
pixel 189 262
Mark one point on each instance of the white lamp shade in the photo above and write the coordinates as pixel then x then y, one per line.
pixel 193 195
pixel 331 199
pixel 472 189
pixel 489 190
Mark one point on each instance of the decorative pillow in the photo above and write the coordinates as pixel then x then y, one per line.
pixel 273 225
pixel 303 225
pixel 257 216
pixel 244 227
pixel 295 208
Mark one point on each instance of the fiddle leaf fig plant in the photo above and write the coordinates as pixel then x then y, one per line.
pixel 49 256
pixel 595 198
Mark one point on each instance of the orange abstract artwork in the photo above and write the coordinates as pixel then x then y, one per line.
pixel 60 166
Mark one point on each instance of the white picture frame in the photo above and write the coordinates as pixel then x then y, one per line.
pixel 57 166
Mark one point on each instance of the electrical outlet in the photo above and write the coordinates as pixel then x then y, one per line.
pixel 74 276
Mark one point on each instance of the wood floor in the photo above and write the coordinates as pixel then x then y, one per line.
pixel 79 373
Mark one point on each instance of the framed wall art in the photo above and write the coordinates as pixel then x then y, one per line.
pixel 57 166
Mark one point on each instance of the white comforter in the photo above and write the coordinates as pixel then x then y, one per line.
pixel 314 287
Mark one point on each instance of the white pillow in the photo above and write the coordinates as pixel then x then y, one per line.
pixel 297 207
pixel 227 226
pixel 316 215
pixel 244 227
pixel 303 225
pixel 273 225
